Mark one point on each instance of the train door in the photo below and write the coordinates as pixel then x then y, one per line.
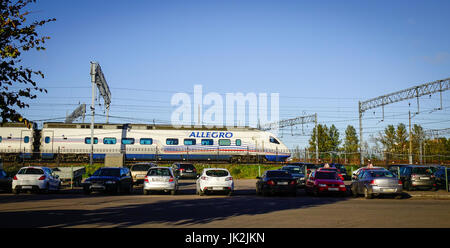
pixel 26 142
pixel 47 141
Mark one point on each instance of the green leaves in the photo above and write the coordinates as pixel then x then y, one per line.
pixel 16 36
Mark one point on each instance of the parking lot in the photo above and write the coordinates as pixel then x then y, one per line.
pixel 71 208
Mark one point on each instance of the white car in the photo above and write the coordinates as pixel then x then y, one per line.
pixel 214 180
pixel 37 179
pixel 160 179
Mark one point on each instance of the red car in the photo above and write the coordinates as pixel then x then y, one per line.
pixel 325 181
pixel 333 169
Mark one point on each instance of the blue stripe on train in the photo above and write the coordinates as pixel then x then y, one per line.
pixel 272 158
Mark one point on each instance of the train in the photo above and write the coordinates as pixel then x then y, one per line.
pixel 72 142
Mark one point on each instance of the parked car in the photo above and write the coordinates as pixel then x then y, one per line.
pixel 334 170
pixel 297 173
pixel 414 177
pixel 215 180
pixel 439 177
pixel 325 182
pixel 184 170
pixel 376 182
pixel 276 181
pixel 139 171
pixel 36 179
pixel 5 181
pixel 160 179
pixel 109 179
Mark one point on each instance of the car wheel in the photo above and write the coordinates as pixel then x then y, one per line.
pixel 367 195
pixel 434 188
pixel 16 191
pixel 201 193
pixel 399 196
pixel 130 189
pixel 87 192
pixel 316 192
pixel 145 192
pixel 408 186
pixel 173 192
pixel 230 193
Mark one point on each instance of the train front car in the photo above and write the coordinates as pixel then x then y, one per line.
pixel 274 150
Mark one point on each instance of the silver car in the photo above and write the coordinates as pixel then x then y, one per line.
pixel 160 179
pixel 376 182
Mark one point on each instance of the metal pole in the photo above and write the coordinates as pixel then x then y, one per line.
pixel 446 179
pixel 361 135
pixel 91 158
pixel 410 140
pixel 317 140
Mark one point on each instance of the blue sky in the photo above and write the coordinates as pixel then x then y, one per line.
pixel 321 56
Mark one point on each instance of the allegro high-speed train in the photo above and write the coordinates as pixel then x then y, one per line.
pixel 142 142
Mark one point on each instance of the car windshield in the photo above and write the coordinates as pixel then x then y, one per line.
pixel 326 175
pixel 278 174
pixel 217 173
pixel 140 167
pixel 31 171
pixel 381 174
pixel 159 172
pixel 107 173
pixel 187 166
pixel 294 170
pixel 422 170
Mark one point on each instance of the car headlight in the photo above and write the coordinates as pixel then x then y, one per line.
pixel 302 178
pixel 322 185
pixel 342 185
pixel 110 182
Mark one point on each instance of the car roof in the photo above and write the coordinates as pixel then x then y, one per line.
pixel 206 169
pixel 37 167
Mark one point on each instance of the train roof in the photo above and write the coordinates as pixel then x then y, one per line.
pixel 141 126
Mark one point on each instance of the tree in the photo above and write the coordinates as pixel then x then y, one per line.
pixel 351 141
pixel 16 37
pixel 322 134
pixel 401 139
pixel 388 138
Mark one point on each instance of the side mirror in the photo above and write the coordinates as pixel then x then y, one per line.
pixel 198 175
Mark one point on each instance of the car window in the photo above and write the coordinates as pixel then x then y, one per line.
pixel 30 171
pixel 140 167
pixel 187 166
pixel 279 173
pixel 326 175
pixel 422 170
pixel 107 172
pixel 2 174
pixel 159 172
pixel 217 173
pixel 296 169
pixel 380 174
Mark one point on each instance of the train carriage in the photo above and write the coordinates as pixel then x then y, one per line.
pixel 160 142
pixel 16 141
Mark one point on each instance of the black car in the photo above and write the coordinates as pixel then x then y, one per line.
pixel 184 170
pixel 297 173
pixel 341 170
pixel 414 177
pixel 276 181
pixel 439 177
pixel 5 181
pixel 109 179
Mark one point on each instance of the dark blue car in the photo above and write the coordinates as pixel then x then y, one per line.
pixel 109 179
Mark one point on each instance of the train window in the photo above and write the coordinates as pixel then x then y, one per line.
pixel 224 142
pixel 190 142
pixel 238 142
pixel 146 141
pixel 26 139
pixel 273 140
pixel 207 142
pixel 109 141
pixel 171 141
pixel 47 140
pixel 128 141
pixel 87 140
pixel 0 139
